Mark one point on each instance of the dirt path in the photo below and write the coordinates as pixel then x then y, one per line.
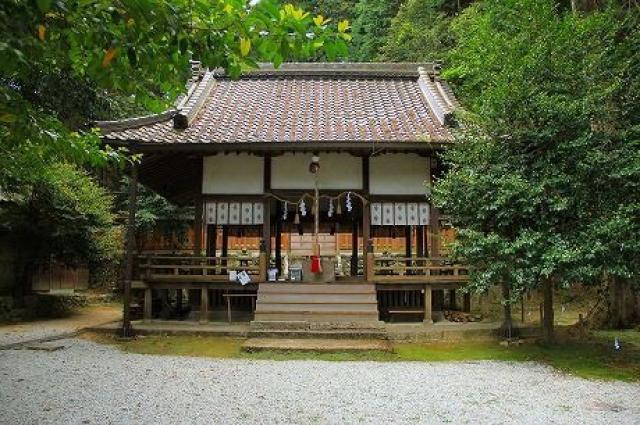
pixel 52 328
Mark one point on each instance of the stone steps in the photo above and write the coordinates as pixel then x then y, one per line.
pixel 353 306
pixel 326 334
pixel 312 344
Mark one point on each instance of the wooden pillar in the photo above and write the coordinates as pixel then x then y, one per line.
pixel 148 304
pixel 354 247
pixel 204 305
pixel 408 252
pixel 197 226
pixel 179 301
pixel 452 299
pixel 434 213
pixel 467 302
pixel 420 241
pixel 212 240
pixel 225 246
pixel 420 251
pixel 438 298
pixel 126 330
pixel 278 241
pixel 266 231
pixel 366 239
pixel 427 305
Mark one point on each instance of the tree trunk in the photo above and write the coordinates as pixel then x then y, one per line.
pixel 547 318
pixel 618 314
pixel 507 324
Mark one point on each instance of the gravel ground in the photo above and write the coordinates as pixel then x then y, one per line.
pixel 53 328
pixel 88 383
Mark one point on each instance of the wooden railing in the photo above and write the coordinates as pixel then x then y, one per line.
pixel 195 268
pixel 392 268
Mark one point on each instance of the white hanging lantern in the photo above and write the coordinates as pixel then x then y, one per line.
pixel 348 203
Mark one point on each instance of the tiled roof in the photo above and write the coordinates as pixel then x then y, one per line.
pixel 303 103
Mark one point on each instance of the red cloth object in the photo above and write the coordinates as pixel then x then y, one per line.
pixel 316 266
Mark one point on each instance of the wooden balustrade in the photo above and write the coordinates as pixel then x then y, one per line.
pixel 378 269
pixel 400 269
pixel 196 268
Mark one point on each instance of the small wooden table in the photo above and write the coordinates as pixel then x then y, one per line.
pixel 229 296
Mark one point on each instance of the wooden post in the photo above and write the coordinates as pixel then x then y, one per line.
pixel 266 234
pixel 366 240
pixel 278 241
pixel 420 248
pixel 263 264
pixel 212 239
pixel 408 248
pixel 126 330
pixel 225 247
pixel 204 305
pixel 452 300
pixel 467 302
pixel 427 305
pixel 434 213
pixel 148 304
pixel 179 301
pixel 197 227
pixel 354 247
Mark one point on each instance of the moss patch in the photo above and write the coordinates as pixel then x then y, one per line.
pixel 592 360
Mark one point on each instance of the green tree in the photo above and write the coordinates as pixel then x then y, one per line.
pixel 67 215
pixel 132 47
pixel 544 183
pixel 337 10
pixel 421 30
pixel 370 27
pixel 64 62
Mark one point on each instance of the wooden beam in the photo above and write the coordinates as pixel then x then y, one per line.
pixel 366 237
pixel 365 174
pixel 452 299
pixel 197 226
pixel 266 229
pixel 354 247
pixel 225 246
pixel 266 179
pixel 126 330
pixel 199 212
pixel 212 240
pixel 434 214
pixel 427 305
pixel 148 304
pixel 278 241
pixel 204 304
pixel 407 245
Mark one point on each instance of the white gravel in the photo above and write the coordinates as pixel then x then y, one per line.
pixel 87 383
pixel 17 335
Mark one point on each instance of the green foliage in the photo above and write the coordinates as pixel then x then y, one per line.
pixel 420 31
pixel 370 27
pixel 333 9
pixel 128 47
pixel 67 62
pixel 65 214
pixel 156 213
pixel 544 183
